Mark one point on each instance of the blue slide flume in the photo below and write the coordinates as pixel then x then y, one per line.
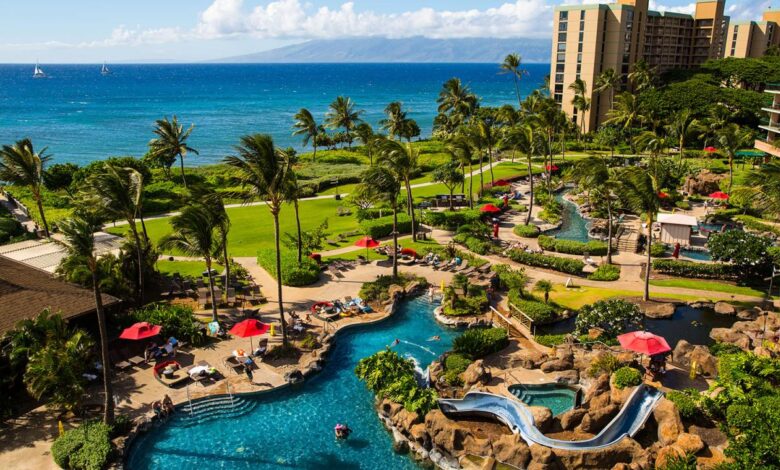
pixel 518 417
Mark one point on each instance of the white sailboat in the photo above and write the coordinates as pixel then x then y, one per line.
pixel 38 72
pixel 105 70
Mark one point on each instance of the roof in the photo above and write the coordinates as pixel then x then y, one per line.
pixel 677 219
pixel 25 291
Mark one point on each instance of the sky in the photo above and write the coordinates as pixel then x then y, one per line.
pixel 93 31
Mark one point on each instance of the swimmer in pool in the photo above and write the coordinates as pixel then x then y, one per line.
pixel 434 338
pixel 395 342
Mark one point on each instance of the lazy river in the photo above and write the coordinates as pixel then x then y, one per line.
pixel 293 427
pixel 573 225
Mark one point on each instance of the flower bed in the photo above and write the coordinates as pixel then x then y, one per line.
pixel 572 247
pixel 695 270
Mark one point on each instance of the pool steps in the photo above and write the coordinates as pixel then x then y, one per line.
pixel 207 409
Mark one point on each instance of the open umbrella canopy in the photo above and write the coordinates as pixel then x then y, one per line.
pixel 644 342
pixel 662 195
pixel 140 330
pixel 552 168
pixel 719 195
pixel 367 242
pixel 249 327
pixel 710 149
pixel 409 252
pixel 489 208
pixel 502 183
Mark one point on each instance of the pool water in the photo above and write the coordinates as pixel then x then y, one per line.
pixel 558 398
pixel 293 428
pixel 697 255
pixel 573 225
pixel 688 323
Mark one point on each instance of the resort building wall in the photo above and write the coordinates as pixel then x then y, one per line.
pixel 752 38
pixel 772 127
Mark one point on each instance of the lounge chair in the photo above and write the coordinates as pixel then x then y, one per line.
pixel 200 378
pixel 118 363
pixel 463 266
pixel 217 296
pixel 262 347
pixel 232 363
pixel 469 271
pixel 186 287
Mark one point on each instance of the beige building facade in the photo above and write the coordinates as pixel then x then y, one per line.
pixel 753 38
pixel 772 127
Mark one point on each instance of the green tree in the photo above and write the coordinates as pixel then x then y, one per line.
pixel 608 80
pixel 525 139
pixel 512 65
pixel 544 286
pixel 171 142
pixel 762 187
pixel 342 114
pixel 365 135
pixel 626 115
pixel 681 127
pixel 448 175
pixel 595 175
pixel 383 184
pixel 21 165
pixel 642 76
pixel 292 194
pixel 79 240
pixel 395 120
pixel 731 138
pixel 460 149
pixel 580 100
pixel 305 125
pixel 403 161
pixel 457 100
pixel 614 316
pixel 265 170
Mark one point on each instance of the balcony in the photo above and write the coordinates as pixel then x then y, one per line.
pixel 772 88
pixel 772 109
pixel 767 147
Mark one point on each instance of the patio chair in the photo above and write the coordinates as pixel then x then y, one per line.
pixel 262 347
pixel 118 363
pixel 186 287
pixel 200 378
pixel 232 363
pixel 463 266
pixel 199 282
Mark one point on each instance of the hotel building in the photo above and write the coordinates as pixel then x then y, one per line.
pixel 753 38
pixel 589 39
pixel 772 127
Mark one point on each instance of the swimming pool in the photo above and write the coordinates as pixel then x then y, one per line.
pixel 557 397
pixel 697 255
pixel 573 225
pixel 293 428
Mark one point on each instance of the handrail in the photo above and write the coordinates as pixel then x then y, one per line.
pixel 230 394
pixel 525 320
pixel 189 399
pixel 508 321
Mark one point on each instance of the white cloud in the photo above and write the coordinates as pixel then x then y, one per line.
pixel 748 10
pixel 688 9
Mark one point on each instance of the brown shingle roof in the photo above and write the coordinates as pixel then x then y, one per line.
pixel 25 291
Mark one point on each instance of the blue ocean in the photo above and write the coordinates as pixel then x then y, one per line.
pixel 82 115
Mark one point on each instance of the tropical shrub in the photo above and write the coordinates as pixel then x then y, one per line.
pixel 743 249
pixel 603 364
pixel 613 316
pixel 657 250
pixel 605 272
pixel 510 278
pixel 687 402
pixel 383 226
pixel 479 246
pixel 10 229
pixel 572 247
pixel 86 447
pixel 550 340
pixel 378 290
pixel 293 274
pixel 539 312
pixel 680 462
pixel 390 376
pixel 691 269
pixel 176 320
pixel 479 342
pixel 756 224
pixel 565 265
pixel 451 220
pixel 454 365
pixel 627 377
pixel 752 432
pixel 473 303
pixel 719 349
pixel 527 231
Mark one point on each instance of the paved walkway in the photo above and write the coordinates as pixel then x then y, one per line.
pixel 27 222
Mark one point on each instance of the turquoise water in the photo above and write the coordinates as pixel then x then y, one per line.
pixel 293 428
pixel 696 255
pixel 573 227
pixel 83 116
pixel 558 398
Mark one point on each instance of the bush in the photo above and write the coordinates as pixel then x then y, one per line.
pixel 383 226
pixel 550 340
pixel 756 224
pixel 510 278
pixel 686 401
pixel 572 247
pixel 613 316
pixel 565 265
pixel 450 220
pixel 605 272
pixel 454 365
pixel 293 274
pixel 744 249
pixel 719 349
pixel 86 447
pixel 479 342
pixel 527 231
pixel 378 290
pixel 684 205
pixel 176 320
pixel 603 364
pixel 390 376
pixel 691 269
pixel 539 312
pixel 473 303
pixel 627 377
pixel 657 250
pixel 477 245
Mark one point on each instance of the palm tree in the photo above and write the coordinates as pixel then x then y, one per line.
pixel 456 99
pixel 762 188
pixel 292 194
pixel 395 121
pixel 626 115
pixel 21 165
pixel 171 142
pixel 524 138
pixel 306 125
pixel 511 65
pixel 365 134
pixel 79 233
pixel 681 126
pixel 381 182
pixel 460 149
pixel 594 174
pixel 448 175
pixel 580 101
pixel 639 190
pixel 403 161
pixel 642 76
pixel 214 202
pixel 608 80
pixel 730 139
pixel 118 193
pixel 195 234
pixel 545 286
pixel 342 113
pixel 265 170
pixel 488 137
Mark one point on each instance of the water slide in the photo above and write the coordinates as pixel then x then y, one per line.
pixel 518 417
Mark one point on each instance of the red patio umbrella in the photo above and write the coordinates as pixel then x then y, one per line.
pixel 409 252
pixel 367 242
pixel 644 342
pixel 552 168
pixel 502 183
pixel 489 208
pixel 710 149
pixel 662 195
pixel 719 195
pixel 248 328
pixel 140 330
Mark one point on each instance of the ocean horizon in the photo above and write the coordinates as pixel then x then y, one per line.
pixel 82 116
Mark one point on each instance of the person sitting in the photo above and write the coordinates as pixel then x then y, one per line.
pixel 157 407
pixel 174 343
pixel 436 260
pixel 458 261
pixel 168 349
pixel 239 353
pixel 167 404
pixel 150 352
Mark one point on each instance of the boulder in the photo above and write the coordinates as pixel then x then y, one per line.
pixel 555 365
pixel 599 401
pixel 747 314
pixel 389 409
pixel 727 335
pixel 595 333
pixel 669 423
pixel 659 310
pixel 681 352
pixel 626 451
pixel 405 419
pixel 665 453
pixel 572 418
pixel 599 386
pixel 419 434
pixel 454 437
pixel 596 419
pixel 543 417
pixel 569 377
pixel 527 359
pixel 705 361
pixel 704 183
pixel 293 377
pixel 689 443
pixel 512 449
pixel 724 308
pixel 476 373
pixel 541 455
pixel 618 396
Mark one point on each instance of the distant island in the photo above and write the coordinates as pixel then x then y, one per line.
pixel 415 49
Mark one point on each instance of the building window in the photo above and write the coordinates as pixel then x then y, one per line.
pixel 558 88
pixel 561 47
pixel 558 78
pixel 559 68
pixel 561 37
pixel 582 36
pixel 582 15
pixel 579 58
pixel 563 16
pixel 561 57
pixel 579 47
pixel 562 26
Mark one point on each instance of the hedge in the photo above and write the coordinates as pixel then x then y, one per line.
pixel 477 245
pixel 564 265
pixel 383 226
pixel 756 224
pixel 695 270
pixel 527 231
pixel 479 342
pixel 572 247
pixel 605 272
pixel 86 447
pixel 627 377
pixel 454 365
pixel 539 312
pixel 293 274
pixel 657 250
pixel 451 220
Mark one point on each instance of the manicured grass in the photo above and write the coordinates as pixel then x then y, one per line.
pixel 252 226
pixel 577 297
pixel 713 286
pixel 193 269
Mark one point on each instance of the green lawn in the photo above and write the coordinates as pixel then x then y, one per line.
pixel 712 286
pixel 575 298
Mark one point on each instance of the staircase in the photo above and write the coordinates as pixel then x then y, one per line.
pixel 222 406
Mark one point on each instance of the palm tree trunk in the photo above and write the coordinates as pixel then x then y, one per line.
pixel 411 208
pixel 481 172
pixel 646 296
pixel 41 213
pixel 609 232
pixel 517 92
pixel 452 190
pixel 314 155
pixel 731 171
pixel 395 240
pixel 183 180
pixel 298 227
pixel 463 183
pixel 227 259
pixel 531 197
pixel 275 213
pixel 143 227
pixel 490 162
pixel 214 300
pixel 139 259
pixel 471 185
pixel 108 403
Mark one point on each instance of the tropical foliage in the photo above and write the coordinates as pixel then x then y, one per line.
pixel 613 316
pixel 390 376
